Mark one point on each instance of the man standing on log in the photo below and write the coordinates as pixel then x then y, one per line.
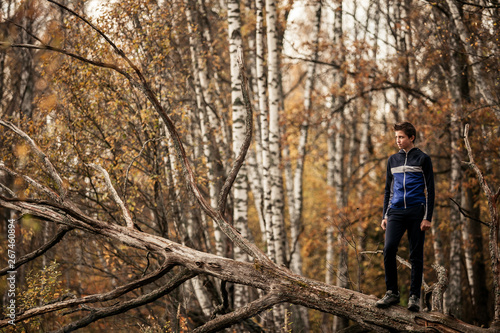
pixel 408 206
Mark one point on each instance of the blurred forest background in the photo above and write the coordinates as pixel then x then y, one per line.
pixel 328 80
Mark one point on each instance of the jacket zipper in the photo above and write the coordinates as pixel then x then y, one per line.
pixel 404 179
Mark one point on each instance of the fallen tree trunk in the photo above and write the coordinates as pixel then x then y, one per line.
pixel 279 284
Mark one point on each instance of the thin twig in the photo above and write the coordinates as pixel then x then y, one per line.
pixel 75 56
pixel 400 260
pixel 464 213
pixel 8 190
pixel 48 165
pixel 133 160
pixel 49 192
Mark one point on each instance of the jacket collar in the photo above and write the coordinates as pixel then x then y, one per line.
pixel 402 151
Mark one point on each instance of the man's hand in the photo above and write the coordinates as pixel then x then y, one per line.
pixel 425 225
pixel 384 224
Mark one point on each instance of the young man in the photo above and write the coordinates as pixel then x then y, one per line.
pixel 408 207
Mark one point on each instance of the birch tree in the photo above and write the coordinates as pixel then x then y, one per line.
pixel 264 126
pixel 340 218
pixel 453 298
pixel 295 188
pixel 274 95
pixel 201 81
pixel 240 192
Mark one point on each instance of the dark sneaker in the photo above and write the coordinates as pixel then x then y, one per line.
pixel 389 299
pixel 414 303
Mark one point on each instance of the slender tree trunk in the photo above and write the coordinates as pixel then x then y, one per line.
pixel 274 79
pixel 338 174
pixel 453 296
pixel 492 197
pixel 295 188
pixel 240 187
pixel 254 155
pixel 474 258
pixel 201 85
pixel 475 60
pixel 276 181
pixel 264 127
pixel 330 230
pixel 363 159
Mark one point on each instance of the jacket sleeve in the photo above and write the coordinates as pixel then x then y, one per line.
pixel 387 192
pixel 429 183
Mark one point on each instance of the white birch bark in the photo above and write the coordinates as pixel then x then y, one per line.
pixel 200 77
pixel 274 131
pixel 276 181
pixel 240 187
pixel 264 128
pixel 254 155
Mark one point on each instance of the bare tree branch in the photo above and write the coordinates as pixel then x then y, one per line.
pixel 486 188
pixel 467 215
pixel 114 195
pixel 133 160
pixel 439 288
pixel 61 232
pixel 250 248
pixel 8 190
pixel 248 311
pixel 99 64
pixel 246 143
pixel 48 165
pixel 273 279
pixel 49 192
pixel 96 314
pixel 103 297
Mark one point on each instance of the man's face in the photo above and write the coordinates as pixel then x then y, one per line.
pixel 403 141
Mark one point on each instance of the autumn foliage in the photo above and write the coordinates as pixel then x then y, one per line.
pixel 83 104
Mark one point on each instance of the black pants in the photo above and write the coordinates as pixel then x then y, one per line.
pixel 398 222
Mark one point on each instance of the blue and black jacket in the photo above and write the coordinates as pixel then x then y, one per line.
pixel 409 182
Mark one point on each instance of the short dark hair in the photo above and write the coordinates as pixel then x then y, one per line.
pixel 407 128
